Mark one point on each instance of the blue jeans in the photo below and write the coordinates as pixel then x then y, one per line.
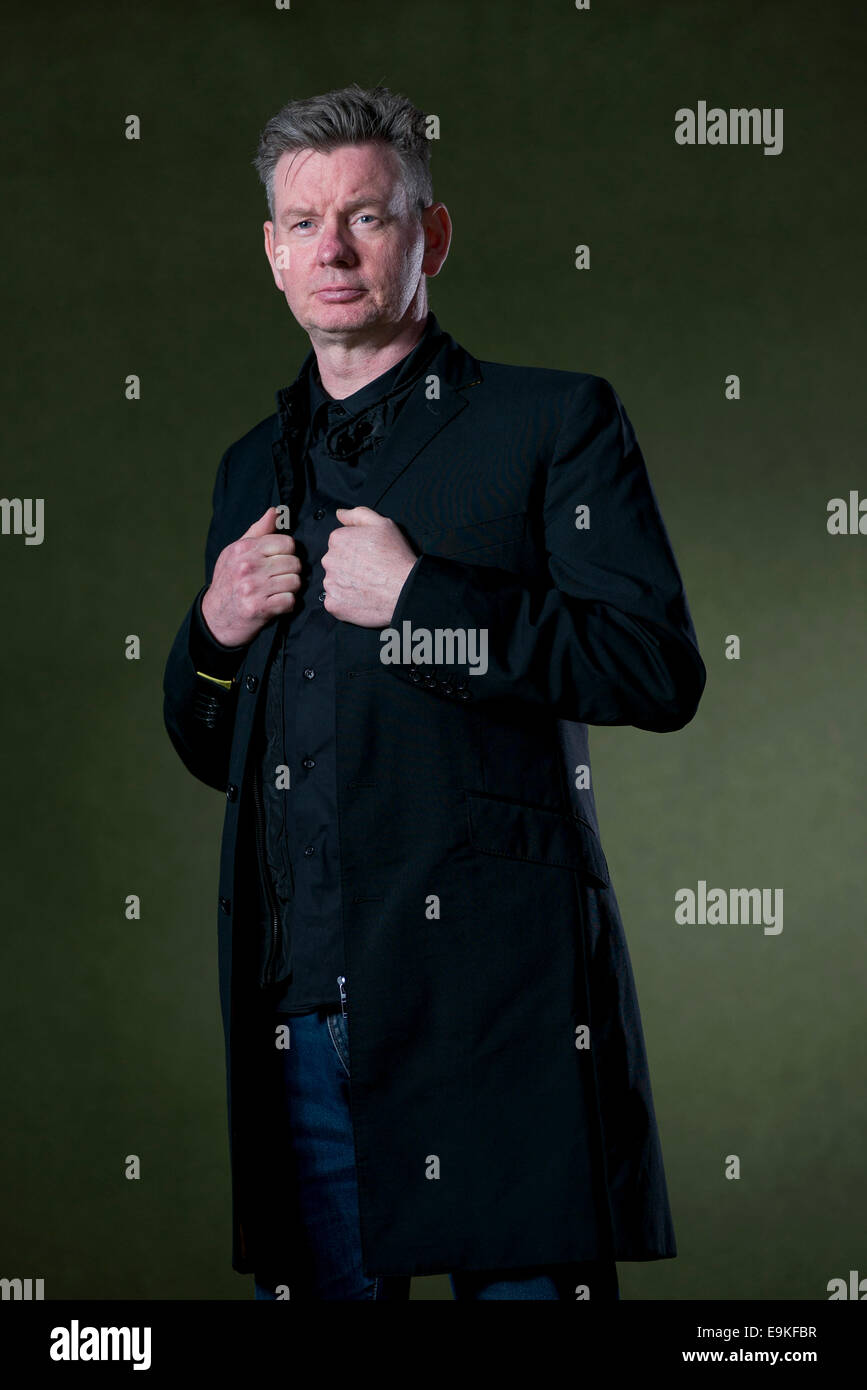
pixel 315 1079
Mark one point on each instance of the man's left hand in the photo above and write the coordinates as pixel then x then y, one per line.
pixel 366 564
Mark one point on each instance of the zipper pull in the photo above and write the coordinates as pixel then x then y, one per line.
pixel 341 981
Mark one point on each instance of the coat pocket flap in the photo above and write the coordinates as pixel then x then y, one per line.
pixel 533 833
pixel 478 535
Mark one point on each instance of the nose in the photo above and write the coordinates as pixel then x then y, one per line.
pixel 334 246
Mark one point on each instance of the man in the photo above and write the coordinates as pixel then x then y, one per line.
pixel 424 576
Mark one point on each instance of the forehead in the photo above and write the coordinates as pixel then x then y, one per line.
pixel 349 171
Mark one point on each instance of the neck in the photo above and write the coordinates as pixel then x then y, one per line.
pixel 346 366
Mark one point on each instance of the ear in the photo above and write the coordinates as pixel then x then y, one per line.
pixel 437 237
pixel 271 253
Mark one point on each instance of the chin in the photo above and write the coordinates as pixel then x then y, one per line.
pixel 335 317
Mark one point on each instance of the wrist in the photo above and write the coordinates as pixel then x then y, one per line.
pixel 212 630
pixel 206 652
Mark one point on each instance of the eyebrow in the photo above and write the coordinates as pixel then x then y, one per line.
pixel 372 201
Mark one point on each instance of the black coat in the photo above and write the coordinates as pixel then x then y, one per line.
pixel 461 787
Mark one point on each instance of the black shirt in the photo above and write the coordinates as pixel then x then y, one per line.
pixel 303 852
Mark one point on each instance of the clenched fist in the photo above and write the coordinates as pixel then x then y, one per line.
pixel 255 579
pixel 366 563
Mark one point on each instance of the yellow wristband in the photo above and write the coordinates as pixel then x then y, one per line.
pixel 215 679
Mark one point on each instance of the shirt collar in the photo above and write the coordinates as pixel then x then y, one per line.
pixel 322 406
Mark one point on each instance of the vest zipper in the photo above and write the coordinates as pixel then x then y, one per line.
pixel 263 869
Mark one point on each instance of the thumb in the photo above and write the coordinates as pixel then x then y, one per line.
pixel 357 516
pixel 265 525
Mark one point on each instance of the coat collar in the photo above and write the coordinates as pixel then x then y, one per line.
pixel 451 364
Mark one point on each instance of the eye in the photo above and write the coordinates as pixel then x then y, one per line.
pixel 305 220
pixel 371 215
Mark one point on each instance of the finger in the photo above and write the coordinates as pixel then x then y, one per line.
pixel 266 523
pixel 275 543
pixel 358 516
pixel 279 585
pixel 281 563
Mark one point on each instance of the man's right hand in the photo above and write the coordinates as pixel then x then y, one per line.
pixel 255 579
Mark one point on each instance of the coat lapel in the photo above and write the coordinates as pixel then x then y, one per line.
pixel 421 419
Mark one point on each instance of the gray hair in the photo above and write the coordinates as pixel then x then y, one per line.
pixel 350 116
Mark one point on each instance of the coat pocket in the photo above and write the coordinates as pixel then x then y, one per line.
pixel 478 535
pixel 535 834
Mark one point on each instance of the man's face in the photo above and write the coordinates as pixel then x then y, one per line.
pixel 345 248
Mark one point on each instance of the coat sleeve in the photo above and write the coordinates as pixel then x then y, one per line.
pixel 201 675
pixel 610 639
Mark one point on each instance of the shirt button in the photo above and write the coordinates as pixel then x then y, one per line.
pixel 308 850
pixel 308 762
pixel 309 673
pixel 321 595
pixel 319 514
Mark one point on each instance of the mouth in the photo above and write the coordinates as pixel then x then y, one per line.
pixel 338 293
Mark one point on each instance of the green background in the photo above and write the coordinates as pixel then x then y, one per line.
pixel 557 127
